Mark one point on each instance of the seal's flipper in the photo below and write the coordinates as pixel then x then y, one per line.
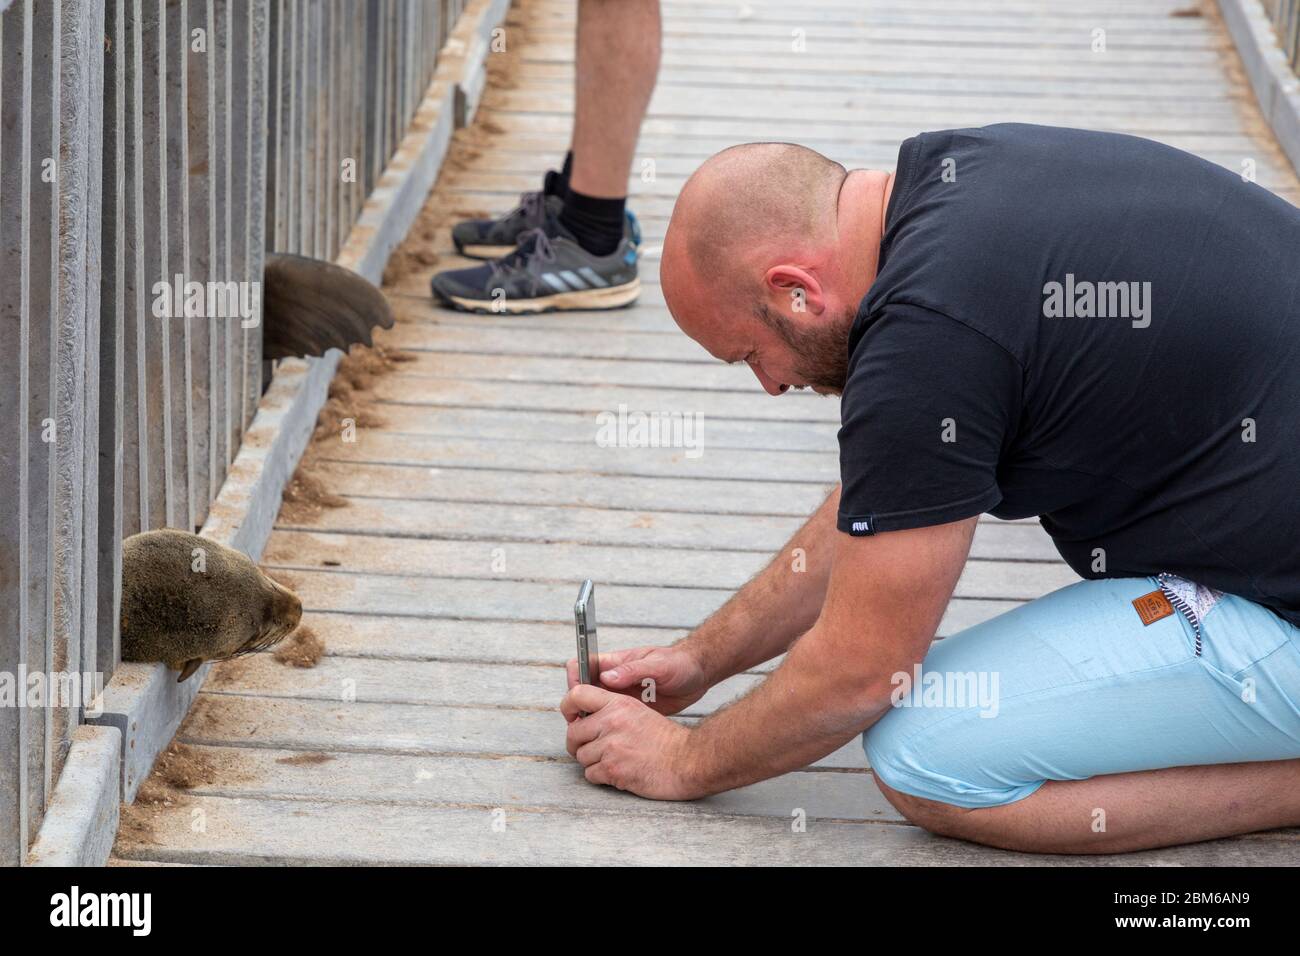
pixel 193 664
pixel 310 306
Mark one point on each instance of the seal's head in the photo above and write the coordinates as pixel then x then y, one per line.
pixel 187 600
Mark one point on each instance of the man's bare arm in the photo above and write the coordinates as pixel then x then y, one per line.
pixel 768 614
pixel 886 596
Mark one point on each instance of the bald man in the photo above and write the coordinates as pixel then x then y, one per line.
pixel 1089 328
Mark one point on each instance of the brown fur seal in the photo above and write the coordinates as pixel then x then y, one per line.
pixel 186 600
pixel 310 306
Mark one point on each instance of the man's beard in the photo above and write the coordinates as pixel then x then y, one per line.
pixel 822 349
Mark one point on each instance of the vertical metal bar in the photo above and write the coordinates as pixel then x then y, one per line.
pixel 334 126
pixel 135 287
pixel 399 70
pixel 357 101
pixel 293 141
pixel 156 278
pixel 231 114
pixel 310 125
pixel 255 211
pixel 111 356
pixel 202 207
pixel 349 106
pixel 95 34
pixel 176 257
pixel 316 159
pixel 226 428
pixel 68 376
pixel 248 154
pixel 43 267
pixel 75 403
pixel 15 339
pixel 274 67
pixel 390 83
pixel 373 95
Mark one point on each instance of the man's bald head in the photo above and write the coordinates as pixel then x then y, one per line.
pixel 770 249
pixel 754 198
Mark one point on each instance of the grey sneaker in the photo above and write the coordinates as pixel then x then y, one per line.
pixel 494 238
pixel 543 274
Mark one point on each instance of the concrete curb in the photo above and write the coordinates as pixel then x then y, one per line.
pixel 81 820
pixel 143 705
pixel 1276 88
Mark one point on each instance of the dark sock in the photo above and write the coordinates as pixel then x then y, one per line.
pixel 557 184
pixel 597 224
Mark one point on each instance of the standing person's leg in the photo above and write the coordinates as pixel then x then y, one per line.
pixel 577 242
pixel 617 61
pixel 1080 724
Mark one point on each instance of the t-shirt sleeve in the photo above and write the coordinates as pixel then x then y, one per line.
pixel 928 408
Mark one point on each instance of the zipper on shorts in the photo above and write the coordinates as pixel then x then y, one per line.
pixel 1176 599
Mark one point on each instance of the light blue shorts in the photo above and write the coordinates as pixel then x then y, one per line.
pixel 1073 685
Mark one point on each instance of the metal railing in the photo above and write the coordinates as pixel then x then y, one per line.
pixel 1285 15
pixel 149 149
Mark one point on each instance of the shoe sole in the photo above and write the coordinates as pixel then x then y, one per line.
pixel 493 252
pixel 611 297
pixel 484 252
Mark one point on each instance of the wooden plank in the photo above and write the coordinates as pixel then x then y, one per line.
pixel 776 47
pixel 627 492
pixel 974 22
pixel 703 431
pixel 666 184
pixel 489 599
pixel 240 832
pixel 530 137
pixel 432 398
pixel 381 447
pixel 357 726
pixel 560 562
pixel 593 372
pixel 512 171
pixel 491 781
pixel 525 339
pixel 705 102
pixel 1154 90
pixel 449 639
pixel 664 530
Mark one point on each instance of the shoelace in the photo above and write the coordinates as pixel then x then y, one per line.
pixel 532 207
pixel 534 251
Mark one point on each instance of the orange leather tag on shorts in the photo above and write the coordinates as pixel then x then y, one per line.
pixel 1152 607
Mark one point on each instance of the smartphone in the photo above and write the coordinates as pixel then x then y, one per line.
pixel 584 619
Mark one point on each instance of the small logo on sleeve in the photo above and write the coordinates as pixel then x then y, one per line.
pixel 1152 607
pixel 861 526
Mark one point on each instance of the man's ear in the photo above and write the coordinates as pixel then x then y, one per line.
pixel 800 289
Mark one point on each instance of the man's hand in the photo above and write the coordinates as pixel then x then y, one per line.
pixel 679 681
pixel 624 744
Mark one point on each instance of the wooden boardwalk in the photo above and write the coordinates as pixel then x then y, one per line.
pixel 443 590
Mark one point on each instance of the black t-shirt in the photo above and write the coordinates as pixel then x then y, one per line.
pixel 1093 328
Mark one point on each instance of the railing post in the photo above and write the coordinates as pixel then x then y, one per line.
pixel 15 344
pixel 111 327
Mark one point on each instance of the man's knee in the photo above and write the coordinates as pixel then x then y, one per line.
pixel 941 819
pixel 944 793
